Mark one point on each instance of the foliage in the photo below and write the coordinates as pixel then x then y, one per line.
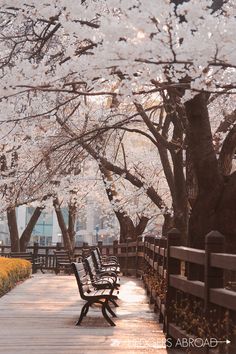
pixel 12 271
pixel 188 313
pixel 155 282
pixel 84 78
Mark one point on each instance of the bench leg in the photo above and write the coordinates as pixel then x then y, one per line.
pixel 57 270
pixel 83 313
pixel 110 310
pixel 105 315
pixel 113 302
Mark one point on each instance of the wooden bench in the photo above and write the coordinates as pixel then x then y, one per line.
pixel 64 260
pixel 92 295
pixel 111 260
pixel 101 267
pixel 37 263
pixel 101 279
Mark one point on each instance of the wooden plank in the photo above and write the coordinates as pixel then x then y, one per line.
pixel 193 287
pixel 162 251
pixel 223 261
pixel 140 254
pixel 39 317
pixel 223 297
pixel 124 254
pixel 160 270
pixel 150 261
pixel 188 254
pixel 151 247
pixel 132 244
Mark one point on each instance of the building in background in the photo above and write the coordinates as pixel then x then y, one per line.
pixel 4 232
pixel 91 226
pixel 46 232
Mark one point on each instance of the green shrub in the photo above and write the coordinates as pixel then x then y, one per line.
pixel 12 270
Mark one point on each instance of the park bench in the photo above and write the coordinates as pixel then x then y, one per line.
pixel 110 260
pixel 37 262
pixel 100 279
pixel 64 260
pixel 92 295
pixel 101 267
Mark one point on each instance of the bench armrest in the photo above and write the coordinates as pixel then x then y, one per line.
pixel 104 282
pixel 110 274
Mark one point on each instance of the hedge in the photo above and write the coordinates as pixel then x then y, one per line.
pixel 12 270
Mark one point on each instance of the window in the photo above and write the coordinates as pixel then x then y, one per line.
pixel 81 223
pixel 43 226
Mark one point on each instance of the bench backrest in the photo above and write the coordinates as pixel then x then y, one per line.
pixel 62 257
pixel 22 255
pixel 97 250
pixel 96 259
pixel 90 267
pixel 81 278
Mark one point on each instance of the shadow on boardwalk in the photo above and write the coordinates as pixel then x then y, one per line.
pixel 39 316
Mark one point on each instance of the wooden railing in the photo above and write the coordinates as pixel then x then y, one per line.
pixel 130 254
pixel 184 273
pixel 193 275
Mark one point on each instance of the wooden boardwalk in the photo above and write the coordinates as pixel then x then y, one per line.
pixel 38 317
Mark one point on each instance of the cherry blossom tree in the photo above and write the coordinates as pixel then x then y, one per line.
pixel 168 63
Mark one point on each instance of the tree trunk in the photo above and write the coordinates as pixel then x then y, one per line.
pixel 209 179
pixel 13 230
pixel 191 180
pixel 127 227
pixel 168 224
pixel 225 220
pixel 61 222
pixel 72 210
pixel 180 201
pixel 181 210
pixel 26 235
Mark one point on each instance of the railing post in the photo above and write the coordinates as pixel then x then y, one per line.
pixel 156 254
pixel 35 256
pixel 100 246
pixel 145 250
pixel 173 267
pixel 214 277
pixel 127 255
pixel 58 246
pixel 115 247
pixel 139 262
